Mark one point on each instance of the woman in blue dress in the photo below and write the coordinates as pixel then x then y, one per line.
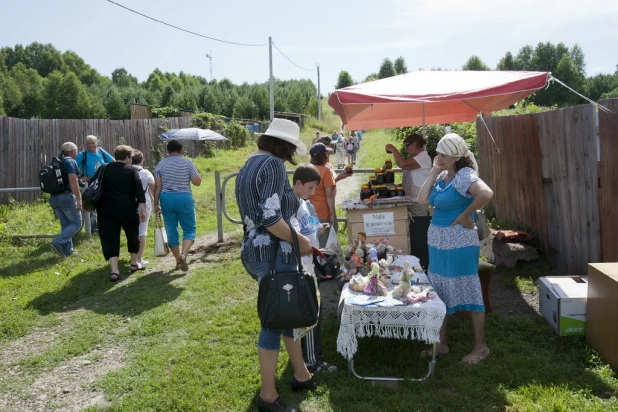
pixel 456 192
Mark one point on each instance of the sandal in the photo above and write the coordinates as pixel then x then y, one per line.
pixel 184 266
pixel 137 266
pixel 114 277
pixel 428 353
pixel 470 359
pixel 322 367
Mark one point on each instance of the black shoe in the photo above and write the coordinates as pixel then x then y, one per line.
pixel 277 405
pixel 308 385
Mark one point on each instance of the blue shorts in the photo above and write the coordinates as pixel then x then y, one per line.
pixel 269 339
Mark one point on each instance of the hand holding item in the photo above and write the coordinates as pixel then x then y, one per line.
pixel 390 148
pixel 304 245
pixel 465 221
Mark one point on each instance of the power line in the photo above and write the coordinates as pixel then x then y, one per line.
pixel 300 67
pixel 187 31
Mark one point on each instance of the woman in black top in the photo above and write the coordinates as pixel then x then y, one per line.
pixel 122 205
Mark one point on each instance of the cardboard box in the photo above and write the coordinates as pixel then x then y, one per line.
pixel 602 311
pixel 562 301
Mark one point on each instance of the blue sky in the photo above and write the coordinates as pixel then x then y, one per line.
pixel 339 35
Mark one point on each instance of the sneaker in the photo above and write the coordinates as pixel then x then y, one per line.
pixel 278 405
pixel 322 367
pixel 58 251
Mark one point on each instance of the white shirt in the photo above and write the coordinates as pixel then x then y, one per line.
pixel 414 179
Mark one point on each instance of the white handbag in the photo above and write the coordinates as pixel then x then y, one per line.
pixel 160 239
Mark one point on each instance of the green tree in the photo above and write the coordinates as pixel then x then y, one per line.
pixel 475 63
pixel 209 100
pixel 121 78
pixel 115 105
pixel 507 62
pixel 400 65
pixel 12 96
pixel 386 69
pixel 73 99
pixel 523 60
pixel 371 77
pixel 168 95
pixel 31 87
pixel 312 107
pixel 344 80
pixel 245 109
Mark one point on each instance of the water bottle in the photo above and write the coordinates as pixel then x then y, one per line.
pixel 315 223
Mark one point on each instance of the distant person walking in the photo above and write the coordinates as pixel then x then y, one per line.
pixel 148 186
pixel 88 161
pixel 173 178
pixel 67 205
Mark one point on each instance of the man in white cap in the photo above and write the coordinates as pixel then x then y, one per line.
pixel 68 204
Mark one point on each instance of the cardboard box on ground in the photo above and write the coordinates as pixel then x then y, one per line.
pixel 562 301
pixel 602 311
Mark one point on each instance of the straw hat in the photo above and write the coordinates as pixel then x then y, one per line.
pixel 288 131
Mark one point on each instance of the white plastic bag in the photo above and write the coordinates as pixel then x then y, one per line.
pixel 333 244
pixel 160 239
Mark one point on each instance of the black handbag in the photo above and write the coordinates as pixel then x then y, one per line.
pixel 94 191
pixel 287 300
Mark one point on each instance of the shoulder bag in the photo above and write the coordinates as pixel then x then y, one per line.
pixel 160 239
pixel 287 300
pixel 94 191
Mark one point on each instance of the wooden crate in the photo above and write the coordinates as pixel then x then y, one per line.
pixel 401 238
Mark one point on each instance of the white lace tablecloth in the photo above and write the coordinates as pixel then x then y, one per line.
pixel 420 321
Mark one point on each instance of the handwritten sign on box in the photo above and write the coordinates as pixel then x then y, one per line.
pixel 377 224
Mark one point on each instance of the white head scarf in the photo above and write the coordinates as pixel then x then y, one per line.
pixel 454 145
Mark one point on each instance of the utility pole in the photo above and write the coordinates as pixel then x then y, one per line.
pixel 209 56
pixel 272 93
pixel 319 96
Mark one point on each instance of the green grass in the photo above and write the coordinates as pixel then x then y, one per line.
pixel 187 341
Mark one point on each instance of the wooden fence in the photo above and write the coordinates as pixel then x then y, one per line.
pixel 27 145
pixel 547 179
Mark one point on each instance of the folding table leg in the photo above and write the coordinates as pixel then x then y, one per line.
pixel 430 372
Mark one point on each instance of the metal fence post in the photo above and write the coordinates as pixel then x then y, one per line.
pixel 219 201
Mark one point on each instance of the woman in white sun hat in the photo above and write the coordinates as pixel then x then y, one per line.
pixel 267 206
pixel 456 191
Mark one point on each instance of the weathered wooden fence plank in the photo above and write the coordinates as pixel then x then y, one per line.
pixel 608 178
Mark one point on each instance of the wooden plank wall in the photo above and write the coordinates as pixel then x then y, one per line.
pixel 26 145
pixel 608 180
pixel 545 179
pixel 514 172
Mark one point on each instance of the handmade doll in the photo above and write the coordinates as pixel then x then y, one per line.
pixel 358 283
pixel 404 287
pixel 385 275
pixel 375 286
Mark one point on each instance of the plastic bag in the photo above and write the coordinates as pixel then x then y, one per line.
pixel 160 239
pixel 333 244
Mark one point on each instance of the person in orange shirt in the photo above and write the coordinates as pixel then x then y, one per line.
pixel 324 197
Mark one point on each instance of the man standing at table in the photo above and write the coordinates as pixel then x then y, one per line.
pixel 416 169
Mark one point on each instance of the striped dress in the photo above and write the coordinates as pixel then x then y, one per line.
pixel 454 251
pixel 264 196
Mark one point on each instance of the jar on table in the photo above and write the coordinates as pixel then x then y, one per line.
pixel 392 191
pixel 380 178
pixel 400 191
pixel 381 191
pixel 389 176
pixel 372 181
pixel 365 192
pixel 388 164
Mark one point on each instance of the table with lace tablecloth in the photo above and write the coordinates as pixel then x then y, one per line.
pixel 389 318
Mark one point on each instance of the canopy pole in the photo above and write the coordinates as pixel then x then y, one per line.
pixel 423 115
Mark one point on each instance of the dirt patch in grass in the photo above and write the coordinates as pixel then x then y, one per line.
pixel 67 387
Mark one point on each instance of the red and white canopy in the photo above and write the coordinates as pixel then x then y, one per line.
pixel 432 97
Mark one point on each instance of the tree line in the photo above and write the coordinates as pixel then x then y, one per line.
pixel 39 81
pixel 566 64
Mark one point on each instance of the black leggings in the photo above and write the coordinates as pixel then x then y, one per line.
pixel 109 232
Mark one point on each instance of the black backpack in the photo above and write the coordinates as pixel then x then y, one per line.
pixel 50 177
pixel 329 267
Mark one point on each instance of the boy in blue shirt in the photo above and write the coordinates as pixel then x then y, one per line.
pixel 306 178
